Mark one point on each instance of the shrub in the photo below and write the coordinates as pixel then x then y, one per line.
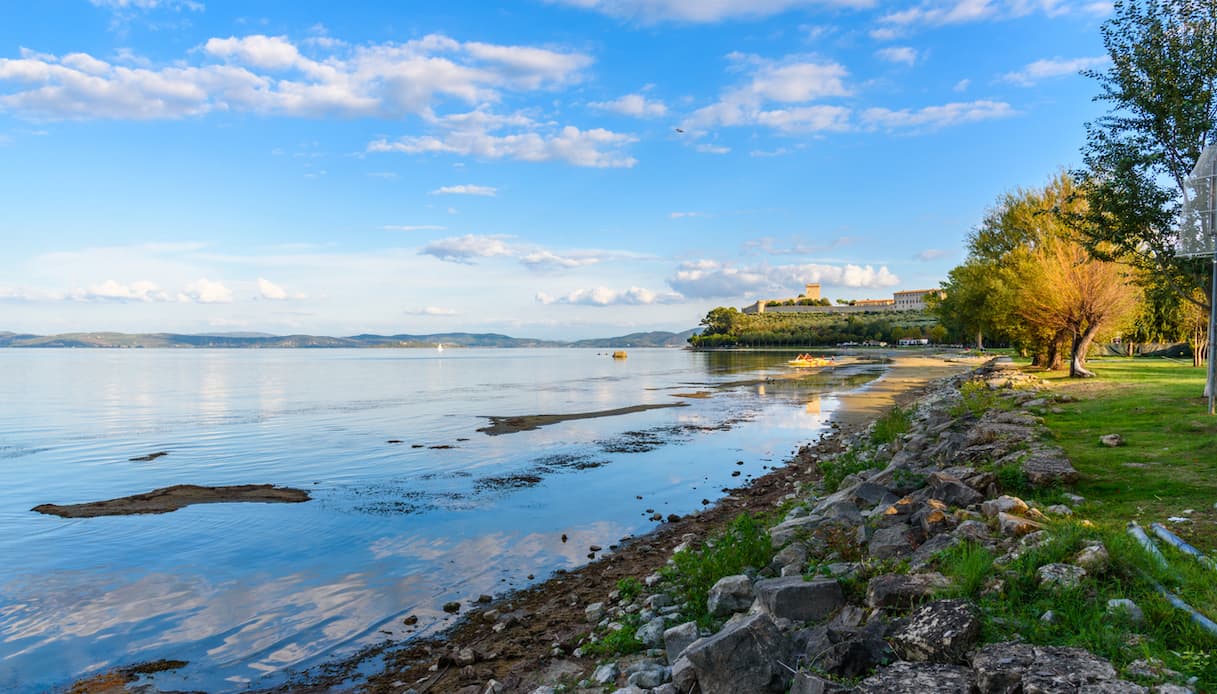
pixel 833 470
pixel 745 543
pixel 890 426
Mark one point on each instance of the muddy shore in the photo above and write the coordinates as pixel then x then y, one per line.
pixel 545 622
pixel 168 499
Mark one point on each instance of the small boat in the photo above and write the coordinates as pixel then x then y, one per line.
pixel 804 362
pixel 439 347
pixel 620 355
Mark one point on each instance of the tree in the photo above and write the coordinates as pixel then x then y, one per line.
pixel 1027 280
pixel 1068 293
pixel 721 321
pixel 1162 87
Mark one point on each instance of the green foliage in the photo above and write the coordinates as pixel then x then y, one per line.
pixel 891 425
pixel 623 641
pixel 970 564
pixel 1011 478
pixel 727 327
pixel 1138 156
pixel 744 544
pixel 628 588
pixel 976 399
pixel 834 470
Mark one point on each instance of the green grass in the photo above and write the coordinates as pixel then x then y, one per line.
pixel 834 470
pixel 628 588
pixel 1168 465
pixel 620 642
pixel 1169 461
pixel 744 544
pixel 890 426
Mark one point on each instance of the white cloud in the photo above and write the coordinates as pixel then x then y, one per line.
pixel 934 117
pixel 635 105
pixel 597 147
pixel 701 11
pixel 413 227
pixel 785 83
pixel 931 254
pixel 603 296
pixel 898 54
pixel 147 4
pixel 486 191
pixel 711 279
pixel 433 311
pixel 204 291
pixel 706 148
pixel 111 290
pixel 1055 67
pixel 543 260
pixel 465 249
pixel 272 75
pixel 273 292
pixel 962 85
pixel 948 12
pixel 683 215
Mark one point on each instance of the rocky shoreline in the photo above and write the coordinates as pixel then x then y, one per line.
pixel 849 603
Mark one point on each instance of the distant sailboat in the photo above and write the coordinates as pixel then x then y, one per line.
pixel 439 347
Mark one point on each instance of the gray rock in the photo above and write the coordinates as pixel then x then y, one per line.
pixel 932 518
pixel 1093 557
pixel 543 689
pixel 749 655
pixel 973 530
pixel 684 675
pixel 730 594
pixel 1060 575
pixel 606 673
pixel 1004 504
pixel 1058 510
pixel 1046 467
pixel 786 531
pixel 651 633
pixel 678 638
pixel 807 683
pixel 1124 607
pixel 799 600
pixel 904 590
pixel 649 675
pixel 629 690
pixel 793 553
pixel 1111 440
pixel 843 512
pixel 1171 689
pixel 667 688
pixel 999 667
pixel 925 553
pixel 1058 669
pixel 940 632
pixel 594 612
pixel 953 492
pixel 1014 526
pixel 919 678
pixel 1113 687
pixel 870 494
pixel 892 542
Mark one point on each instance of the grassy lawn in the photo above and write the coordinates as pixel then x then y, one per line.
pixel 1168 464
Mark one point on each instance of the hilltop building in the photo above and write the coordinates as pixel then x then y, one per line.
pixel 811 302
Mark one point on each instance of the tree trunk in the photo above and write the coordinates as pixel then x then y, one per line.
pixel 1081 345
pixel 980 340
pixel 1054 361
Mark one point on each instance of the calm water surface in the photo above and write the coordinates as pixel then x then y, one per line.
pixel 247 592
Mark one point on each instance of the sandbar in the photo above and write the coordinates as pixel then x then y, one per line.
pixel 169 499
pixel 512 425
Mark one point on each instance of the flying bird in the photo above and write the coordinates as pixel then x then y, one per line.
pixel 679 130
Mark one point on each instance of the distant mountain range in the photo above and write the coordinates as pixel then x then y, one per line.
pixel 265 341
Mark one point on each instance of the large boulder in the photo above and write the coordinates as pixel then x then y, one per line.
pixel 952 491
pixel 940 632
pixel 796 599
pixel 807 683
pixel 1059 669
pixel 845 651
pixel 1046 467
pixel 729 595
pixel 892 542
pixel 999 667
pixel 919 678
pixel 748 655
pixel 904 590
pixel 786 531
pixel 678 638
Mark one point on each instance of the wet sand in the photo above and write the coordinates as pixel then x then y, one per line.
pixel 512 425
pixel 905 373
pixel 169 499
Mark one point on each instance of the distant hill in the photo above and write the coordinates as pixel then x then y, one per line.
pixel 109 340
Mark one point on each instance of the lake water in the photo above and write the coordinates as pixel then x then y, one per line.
pixel 247 592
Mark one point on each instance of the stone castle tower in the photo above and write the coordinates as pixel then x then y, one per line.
pixel 812 291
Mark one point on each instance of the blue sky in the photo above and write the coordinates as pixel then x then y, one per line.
pixel 550 168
